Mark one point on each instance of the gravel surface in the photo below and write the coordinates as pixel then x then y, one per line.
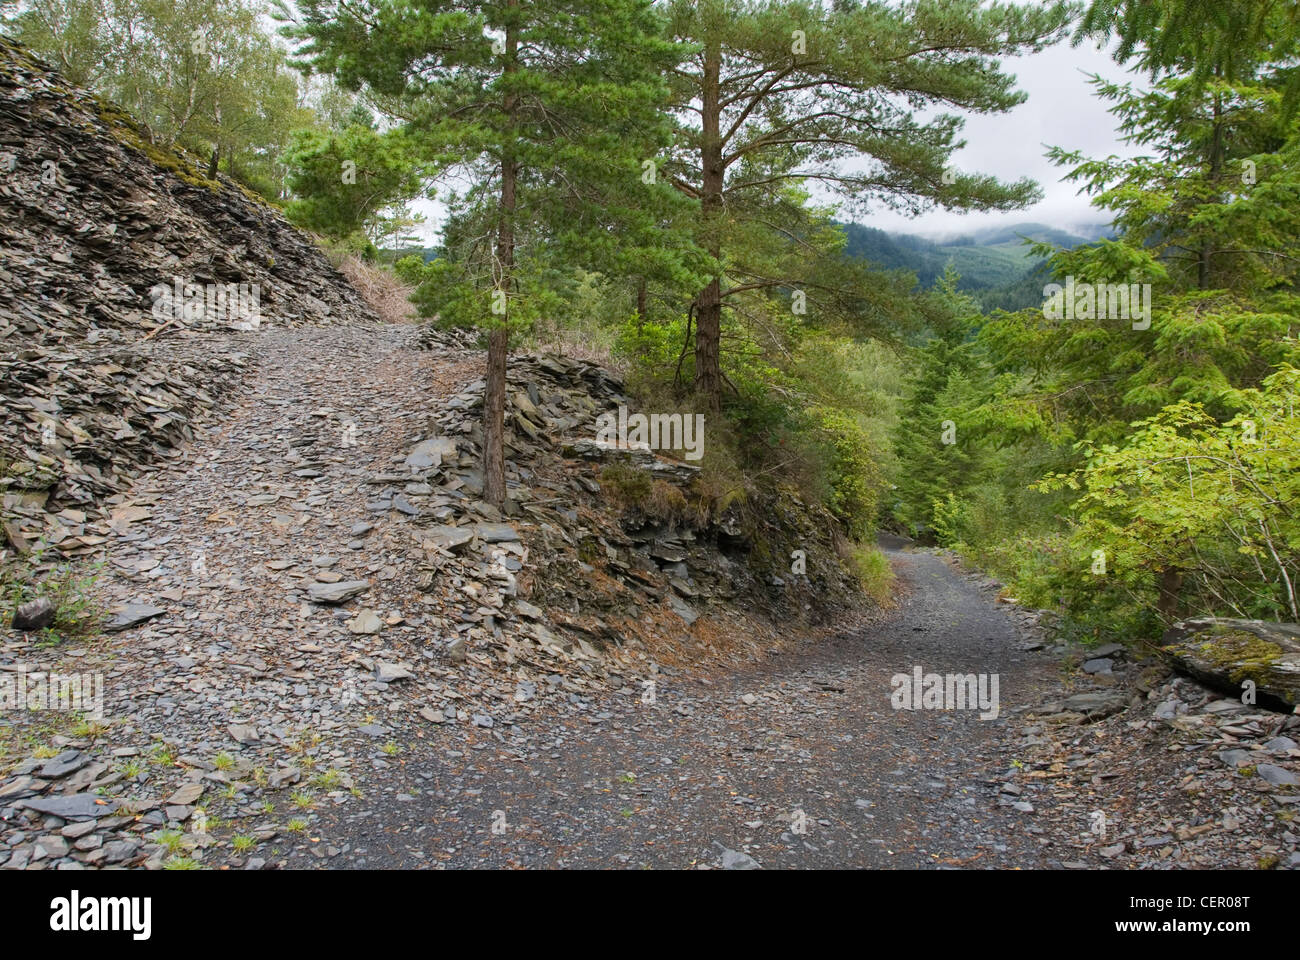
pixel 799 762
pixel 285 687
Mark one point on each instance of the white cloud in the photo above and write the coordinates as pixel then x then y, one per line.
pixel 1061 111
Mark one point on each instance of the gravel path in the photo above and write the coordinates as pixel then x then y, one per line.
pixel 800 762
pixel 243 704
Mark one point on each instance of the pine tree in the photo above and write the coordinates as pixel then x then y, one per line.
pixel 783 91
pixel 341 180
pixel 548 107
pixel 1208 215
pixel 1196 39
pixel 935 437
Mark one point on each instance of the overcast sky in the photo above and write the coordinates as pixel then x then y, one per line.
pixel 1061 111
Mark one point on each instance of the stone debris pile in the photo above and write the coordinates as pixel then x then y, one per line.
pixel 100 378
pixel 1137 767
pixel 605 568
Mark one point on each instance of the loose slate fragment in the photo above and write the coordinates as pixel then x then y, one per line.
pixel 496 532
pixel 34 615
pixel 448 538
pixel 77 806
pixel 133 614
pixel 333 594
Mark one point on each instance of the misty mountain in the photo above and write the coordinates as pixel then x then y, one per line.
pixel 995 263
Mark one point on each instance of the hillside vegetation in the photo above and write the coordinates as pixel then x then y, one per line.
pixel 997 266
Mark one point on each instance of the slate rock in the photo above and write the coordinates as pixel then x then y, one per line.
pixel 735 860
pixel 133 614
pixel 496 532
pixel 391 672
pixel 75 831
pixel 53 847
pixel 280 778
pixel 333 594
pixel 76 806
pixel 34 615
pixel 186 795
pixel 69 761
pixel 1095 705
pixel 526 609
pixel 1168 709
pixel 365 623
pixel 430 453
pixel 449 538
pixel 1278 776
pixel 682 609
pixel 1113 650
pixel 1236 758
pixel 1219 651
pixel 119 850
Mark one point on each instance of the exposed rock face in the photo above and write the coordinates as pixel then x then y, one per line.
pixel 103 370
pixel 1225 653
pixel 93 217
pixel 608 568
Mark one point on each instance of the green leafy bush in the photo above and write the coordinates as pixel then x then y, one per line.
pixel 853 473
pixel 1190 515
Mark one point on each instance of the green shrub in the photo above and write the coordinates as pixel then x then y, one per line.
pixel 1191 516
pixel 852 473
pixel 873 571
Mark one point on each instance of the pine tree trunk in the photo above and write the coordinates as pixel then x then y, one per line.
pixel 708 336
pixel 494 395
pixel 708 303
pixel 494 412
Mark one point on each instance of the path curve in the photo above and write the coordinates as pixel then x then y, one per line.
pixel 229 706
pixel 673 784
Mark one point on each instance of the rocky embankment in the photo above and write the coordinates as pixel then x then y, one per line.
pixel 619 530
pixel 102 375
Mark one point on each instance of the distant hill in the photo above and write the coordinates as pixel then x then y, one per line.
pixel 995 264
pixel 389 255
